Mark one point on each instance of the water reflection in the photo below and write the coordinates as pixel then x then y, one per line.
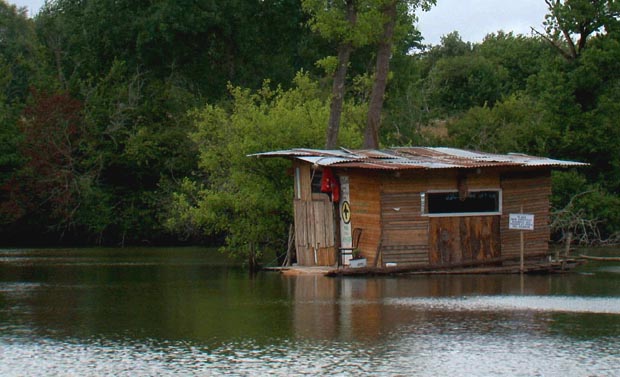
pixel 371 308
pixel 177 312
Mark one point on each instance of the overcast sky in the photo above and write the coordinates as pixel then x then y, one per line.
pixel 473 19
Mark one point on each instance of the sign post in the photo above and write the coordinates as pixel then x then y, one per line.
pixel 521 221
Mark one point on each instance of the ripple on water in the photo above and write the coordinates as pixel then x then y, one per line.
pixel 423 355
pixel 599 305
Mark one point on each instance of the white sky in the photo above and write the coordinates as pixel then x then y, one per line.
pixel 473 19
pixel 32 5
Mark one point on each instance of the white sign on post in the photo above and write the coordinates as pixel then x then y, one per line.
pixel 521 221
pixel 346 238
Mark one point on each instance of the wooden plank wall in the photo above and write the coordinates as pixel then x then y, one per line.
pixel 365 200
pixel 409 238
pixel 305 180
pixel 532 191
pixel 405 231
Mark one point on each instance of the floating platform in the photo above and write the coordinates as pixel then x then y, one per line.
pixel 561 266
pixel 301 270
pixel 528 268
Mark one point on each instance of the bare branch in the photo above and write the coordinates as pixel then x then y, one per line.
pixel 554 44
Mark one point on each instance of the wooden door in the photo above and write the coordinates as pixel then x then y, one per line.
pixel 456 240
pixel 315 232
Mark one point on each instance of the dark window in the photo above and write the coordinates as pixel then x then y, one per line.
pixel 475 202
pixel 317 176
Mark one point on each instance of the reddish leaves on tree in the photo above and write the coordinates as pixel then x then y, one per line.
pixel 52 130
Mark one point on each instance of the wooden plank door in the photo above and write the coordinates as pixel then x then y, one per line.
pixel 315 232
pixel 463 239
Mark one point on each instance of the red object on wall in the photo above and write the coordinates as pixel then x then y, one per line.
pixel 330 184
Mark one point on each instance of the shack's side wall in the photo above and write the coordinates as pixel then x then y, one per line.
pixel 530 191
pixel 365 201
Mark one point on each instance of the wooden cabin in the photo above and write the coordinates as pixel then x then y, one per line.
pixel 418 206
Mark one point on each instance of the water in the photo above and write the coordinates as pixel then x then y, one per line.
pixel 187 312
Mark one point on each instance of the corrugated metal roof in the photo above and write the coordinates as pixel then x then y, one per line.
pixel 405 158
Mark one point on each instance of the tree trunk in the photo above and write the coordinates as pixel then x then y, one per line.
pixel 384 51
pixel 335 109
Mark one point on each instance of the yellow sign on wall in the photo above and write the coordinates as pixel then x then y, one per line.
pixel 345 212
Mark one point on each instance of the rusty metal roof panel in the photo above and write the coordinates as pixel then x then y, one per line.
pixel 415 158
pixel 325 160
pixel 371 153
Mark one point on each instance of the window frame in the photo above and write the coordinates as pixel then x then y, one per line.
pixel 424 204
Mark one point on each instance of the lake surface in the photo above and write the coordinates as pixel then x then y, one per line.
pixel 187 312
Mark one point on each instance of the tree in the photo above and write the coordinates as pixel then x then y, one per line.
pixel 514 124
pixel 389 11
pixel 20 54
pixel 208 43
pixel 351 25
pixel 139 130
pixel 457 83
pixel 247 200
pixel 49 182
pixel 20 68
pixel 520 57
pixel 570 23
pixel 335 22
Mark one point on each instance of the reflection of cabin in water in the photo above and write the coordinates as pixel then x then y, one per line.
pixel 417 206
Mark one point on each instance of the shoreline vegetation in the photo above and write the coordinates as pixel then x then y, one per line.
pixel 128 123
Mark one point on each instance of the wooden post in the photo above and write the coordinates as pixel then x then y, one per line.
pixel 569 240
pixel 522 251
pixel 289 249
pixel 337 237
pixel 522 247
pixel 316 257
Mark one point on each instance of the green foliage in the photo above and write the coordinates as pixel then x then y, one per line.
pixel 407 106
pixel 568 20
pixel 207 43
pixel 460 82
pixel 329 19
pixel 140 140
pixel 20 54
pixel 244 198
pixel 512 125
pixel 451 45
pixel 520 56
